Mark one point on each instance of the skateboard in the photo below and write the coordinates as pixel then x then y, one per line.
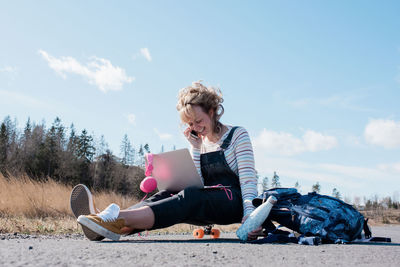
pixel 208 230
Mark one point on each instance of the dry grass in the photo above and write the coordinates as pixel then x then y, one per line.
pixel 28 206
pixel 382 216
pixel 21 196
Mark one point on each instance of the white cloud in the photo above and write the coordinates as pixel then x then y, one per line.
pixel 315 141
pixel 98 71
pixel 162 136
pixel 282 143
pixel 273 151
pixel 346 178
pixel 146 53
pixel 131 118
pixel 383 132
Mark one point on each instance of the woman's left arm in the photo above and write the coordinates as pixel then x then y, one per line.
pixel 246 167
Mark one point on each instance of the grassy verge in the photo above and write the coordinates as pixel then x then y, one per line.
pixel 32 207
pixel 28 206
pixel 382 216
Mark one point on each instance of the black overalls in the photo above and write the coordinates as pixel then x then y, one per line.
pixel 201 206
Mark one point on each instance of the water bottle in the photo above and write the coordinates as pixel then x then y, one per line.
pixel 256 218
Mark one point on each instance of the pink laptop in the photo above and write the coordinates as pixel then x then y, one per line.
pixel 175 170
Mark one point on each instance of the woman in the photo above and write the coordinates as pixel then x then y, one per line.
pixel 222 155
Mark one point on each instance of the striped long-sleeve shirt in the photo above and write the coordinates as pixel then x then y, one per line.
pixel 240 158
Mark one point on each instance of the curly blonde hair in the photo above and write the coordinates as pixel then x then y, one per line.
pixel 208 98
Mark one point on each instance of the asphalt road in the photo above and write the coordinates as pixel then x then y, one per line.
pixel 183 250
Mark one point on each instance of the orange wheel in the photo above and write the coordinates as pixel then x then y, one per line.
pixel 198 233
pixel 215 233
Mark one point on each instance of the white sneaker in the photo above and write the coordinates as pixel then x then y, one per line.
pixel 110 213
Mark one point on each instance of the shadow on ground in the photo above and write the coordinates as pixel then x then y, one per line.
pixel 178 241
pixel 226 241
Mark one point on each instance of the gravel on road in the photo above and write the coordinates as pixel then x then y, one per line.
pixel 184 250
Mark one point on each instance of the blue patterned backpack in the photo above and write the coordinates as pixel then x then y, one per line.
pixel 333 220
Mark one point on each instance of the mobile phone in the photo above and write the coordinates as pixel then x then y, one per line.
pixel 194 134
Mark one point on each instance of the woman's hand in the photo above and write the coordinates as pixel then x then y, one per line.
pixel 194 141
pixel 253 235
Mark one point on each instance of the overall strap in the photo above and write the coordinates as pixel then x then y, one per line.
pixel 228 139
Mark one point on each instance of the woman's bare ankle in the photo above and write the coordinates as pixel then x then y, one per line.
pixel 140 218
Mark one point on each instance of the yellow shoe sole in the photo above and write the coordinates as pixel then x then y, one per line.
pixel 84 221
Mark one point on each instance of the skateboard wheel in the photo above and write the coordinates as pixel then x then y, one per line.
pixel 198 233
pixel 215 233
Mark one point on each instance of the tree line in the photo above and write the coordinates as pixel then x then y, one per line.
pixel 371 203
pixel 70 157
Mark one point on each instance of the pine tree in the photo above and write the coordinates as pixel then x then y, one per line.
pixel 127 151
pixel 141 156
pixel 12 163
pixel 60 133
pixel 72 146
pixel 86 150
pixel 28 129
pixel 336 194
pixel 55 146
pixel 101 146
pixel 316 187
pixel 275 181
pixel 147 148
pixel 51 152
pixel 10 128
pixel 3 148
pixel 104 173
pixel 35 158
pixel 27 148
pixel 132 153
pixel 124 149
pixel 297 185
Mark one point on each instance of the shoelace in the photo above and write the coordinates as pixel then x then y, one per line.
pixel 110 214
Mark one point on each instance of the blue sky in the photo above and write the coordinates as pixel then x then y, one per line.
pixel 316 83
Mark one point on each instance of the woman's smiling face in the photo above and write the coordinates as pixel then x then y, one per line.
pixel 201 121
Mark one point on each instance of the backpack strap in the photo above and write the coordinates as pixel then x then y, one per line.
pixel 228 139
pixel 367 229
